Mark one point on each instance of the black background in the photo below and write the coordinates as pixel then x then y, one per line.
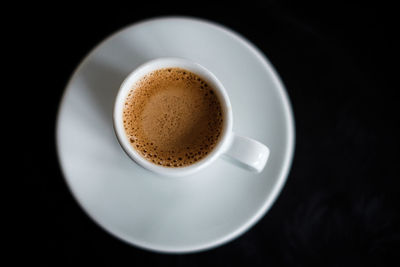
pixel 338 62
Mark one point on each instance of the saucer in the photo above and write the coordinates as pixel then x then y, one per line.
pixel 161 213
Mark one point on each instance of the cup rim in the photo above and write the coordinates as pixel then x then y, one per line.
pixel 192 66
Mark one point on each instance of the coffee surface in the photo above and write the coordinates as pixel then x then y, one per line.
pixel 172 117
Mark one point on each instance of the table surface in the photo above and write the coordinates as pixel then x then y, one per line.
pixel 340 204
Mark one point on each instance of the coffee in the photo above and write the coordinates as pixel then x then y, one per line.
pixel 172 117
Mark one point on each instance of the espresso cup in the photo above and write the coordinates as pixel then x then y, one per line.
pixel 242 151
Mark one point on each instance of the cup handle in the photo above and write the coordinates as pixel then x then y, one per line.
pixel 247 153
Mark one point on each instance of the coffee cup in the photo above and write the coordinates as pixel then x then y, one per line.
pixel 242 151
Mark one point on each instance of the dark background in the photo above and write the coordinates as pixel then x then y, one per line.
pixel 340 206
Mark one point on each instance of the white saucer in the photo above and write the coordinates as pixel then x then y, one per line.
pixel 173 214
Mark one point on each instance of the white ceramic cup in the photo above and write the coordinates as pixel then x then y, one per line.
pixel 243 151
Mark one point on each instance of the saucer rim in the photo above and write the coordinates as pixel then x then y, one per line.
pixel 283 172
